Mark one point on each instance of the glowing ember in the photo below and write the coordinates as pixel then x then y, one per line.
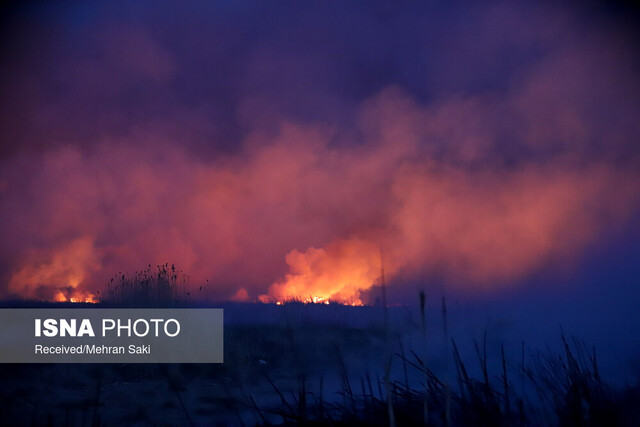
pixel 311 300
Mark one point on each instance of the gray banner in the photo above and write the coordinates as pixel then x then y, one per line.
pixel 104 335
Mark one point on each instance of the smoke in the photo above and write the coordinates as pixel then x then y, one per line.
pixel 296 160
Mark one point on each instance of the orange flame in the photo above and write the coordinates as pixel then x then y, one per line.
pixel 58 275
pixel 76 296
pixel 336 274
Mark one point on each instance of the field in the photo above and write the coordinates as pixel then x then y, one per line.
pixel 337 365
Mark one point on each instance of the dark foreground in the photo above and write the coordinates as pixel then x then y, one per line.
pixel 334 366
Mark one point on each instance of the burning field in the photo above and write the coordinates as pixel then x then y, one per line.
pixel 326 163
pixel 476 179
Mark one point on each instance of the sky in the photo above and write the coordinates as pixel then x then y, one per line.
pixel 278 150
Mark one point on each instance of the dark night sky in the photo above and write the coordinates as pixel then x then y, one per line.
pixel 279 148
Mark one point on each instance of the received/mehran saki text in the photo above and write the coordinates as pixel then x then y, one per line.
pixel 92 349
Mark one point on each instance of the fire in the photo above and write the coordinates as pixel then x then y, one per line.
pixel 59 275
pixel 311 300
pixel 76 296
pixel 335 274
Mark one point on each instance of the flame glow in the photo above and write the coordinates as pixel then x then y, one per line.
pixel 335 274
pixel 298 153
pixel 63 272
pixel 76 296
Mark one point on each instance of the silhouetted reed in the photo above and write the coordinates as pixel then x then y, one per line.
pixel 163 287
